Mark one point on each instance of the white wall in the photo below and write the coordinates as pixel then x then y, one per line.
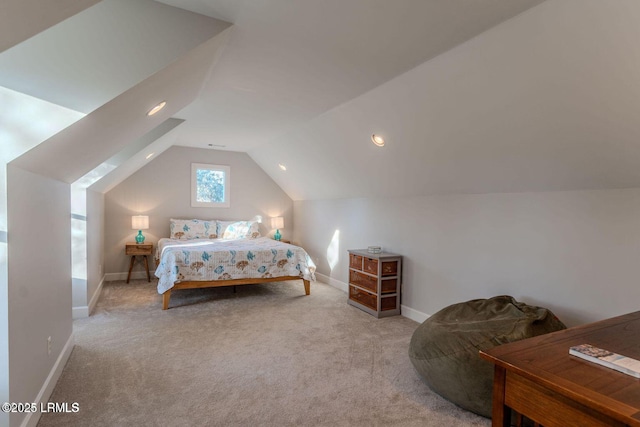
pixel 545 101
pixel 39 291
pixel 161 190
pixel 4 315
pixel 95 242
pixel 24 122
pixel 576 253
pixel 95 248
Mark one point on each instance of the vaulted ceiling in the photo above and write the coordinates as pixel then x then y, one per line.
pixel 472 96
pixel 290 61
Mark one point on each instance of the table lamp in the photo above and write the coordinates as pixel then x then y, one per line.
pixel 277 223
pixel 140 222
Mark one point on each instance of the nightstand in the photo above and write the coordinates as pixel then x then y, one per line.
pixel 142 249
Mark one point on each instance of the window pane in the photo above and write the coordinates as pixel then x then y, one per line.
pixel 210 186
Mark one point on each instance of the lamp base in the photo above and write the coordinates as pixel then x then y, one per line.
pixel 139 237
pixel 277 236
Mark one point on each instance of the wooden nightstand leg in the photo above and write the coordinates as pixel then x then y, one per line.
pixel 133 258
pixel 307 287
pixel 146 265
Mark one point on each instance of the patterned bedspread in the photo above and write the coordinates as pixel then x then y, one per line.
pixel 217 259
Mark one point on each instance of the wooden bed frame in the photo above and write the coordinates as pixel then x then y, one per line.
pixel 233 282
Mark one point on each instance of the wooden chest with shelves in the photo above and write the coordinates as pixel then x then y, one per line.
pixel 375 282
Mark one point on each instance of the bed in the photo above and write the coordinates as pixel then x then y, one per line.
pixel 203 262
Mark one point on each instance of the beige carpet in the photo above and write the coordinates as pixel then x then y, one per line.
pixel 266 355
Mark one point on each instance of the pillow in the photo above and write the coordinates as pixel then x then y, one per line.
pixel 239 229
pixel 186 229
pixel 221 226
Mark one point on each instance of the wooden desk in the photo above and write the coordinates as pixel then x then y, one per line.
pixel 538 378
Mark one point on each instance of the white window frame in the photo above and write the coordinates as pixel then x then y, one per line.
pixel 194 186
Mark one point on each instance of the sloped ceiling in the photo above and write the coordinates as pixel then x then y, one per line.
pixel 21 19
pixel 137 155
pixel 289 61
pixel 76 150
pixel 94 56
pixel 546 101
pixel 285 64
pixel 472 97
pixel 115 61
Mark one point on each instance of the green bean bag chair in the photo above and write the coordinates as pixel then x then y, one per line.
pixel 444 349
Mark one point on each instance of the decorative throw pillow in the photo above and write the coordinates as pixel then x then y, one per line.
pixel 241 230
pixel 186 229
pixel 221 227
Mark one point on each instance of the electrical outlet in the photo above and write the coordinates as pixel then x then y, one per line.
pixel 49 345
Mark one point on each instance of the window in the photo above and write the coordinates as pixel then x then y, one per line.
pixel 210 186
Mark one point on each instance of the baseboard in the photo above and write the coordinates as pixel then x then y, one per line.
pixel 333 282
pixel 79 312
pixel 112 277
pixel 32 418
pixel 405 311
pixel 85 310
pixel 95 297
pixel 413 314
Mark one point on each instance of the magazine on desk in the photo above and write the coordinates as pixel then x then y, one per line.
pixel 607 358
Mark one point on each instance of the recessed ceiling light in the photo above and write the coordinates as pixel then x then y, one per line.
pixel 282 167
pixel 149 156
pixel 378 140
pixel 157 108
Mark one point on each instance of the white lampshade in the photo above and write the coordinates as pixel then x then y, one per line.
pixel 140 222
pixel 277 222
